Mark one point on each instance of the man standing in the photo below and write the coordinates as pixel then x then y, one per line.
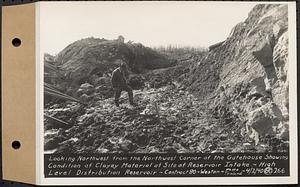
pixel 119 83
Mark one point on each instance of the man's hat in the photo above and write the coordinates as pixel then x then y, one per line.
pixel 123 65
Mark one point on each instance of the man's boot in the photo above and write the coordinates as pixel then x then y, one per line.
pixel 117 96
pixel 130 96
pixel 117 103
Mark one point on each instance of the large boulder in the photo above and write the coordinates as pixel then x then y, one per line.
pixel 265 119
pixel 85 88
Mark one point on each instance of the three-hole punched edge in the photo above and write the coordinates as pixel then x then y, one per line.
pixel 16 42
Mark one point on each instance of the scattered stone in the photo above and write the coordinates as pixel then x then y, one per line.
pixel 226 100
pixel 53 143
pixel 101 150
pixel 86 88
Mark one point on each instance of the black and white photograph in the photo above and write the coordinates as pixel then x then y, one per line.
pixel 149 90
pixel 142 79
pixel 150 93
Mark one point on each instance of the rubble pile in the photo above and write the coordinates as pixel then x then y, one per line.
pixel 233 98
pixel 167 119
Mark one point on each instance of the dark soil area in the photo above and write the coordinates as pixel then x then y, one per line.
pixel 167 119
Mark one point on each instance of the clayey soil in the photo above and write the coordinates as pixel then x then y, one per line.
pixel 166 119
pixel 233 97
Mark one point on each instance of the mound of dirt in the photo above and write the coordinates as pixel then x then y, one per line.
pixel 247 73
pixel 90 57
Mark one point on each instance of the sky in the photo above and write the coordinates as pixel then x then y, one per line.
pixel 151 23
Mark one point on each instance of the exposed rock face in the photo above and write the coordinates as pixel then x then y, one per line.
pixel 251 68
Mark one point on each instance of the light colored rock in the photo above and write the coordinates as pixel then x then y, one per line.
pixel 84 98
pixel 265 119
pixel 87 88
pixel 102 150
pixel 280 57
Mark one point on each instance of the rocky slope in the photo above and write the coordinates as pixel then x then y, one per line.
pixel 246 75
pixel 233 98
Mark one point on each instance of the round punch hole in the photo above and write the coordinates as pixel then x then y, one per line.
pixel 16 144
pixel 16 42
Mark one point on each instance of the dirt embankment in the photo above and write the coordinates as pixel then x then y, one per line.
pixel 232 99
pixel 246 75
